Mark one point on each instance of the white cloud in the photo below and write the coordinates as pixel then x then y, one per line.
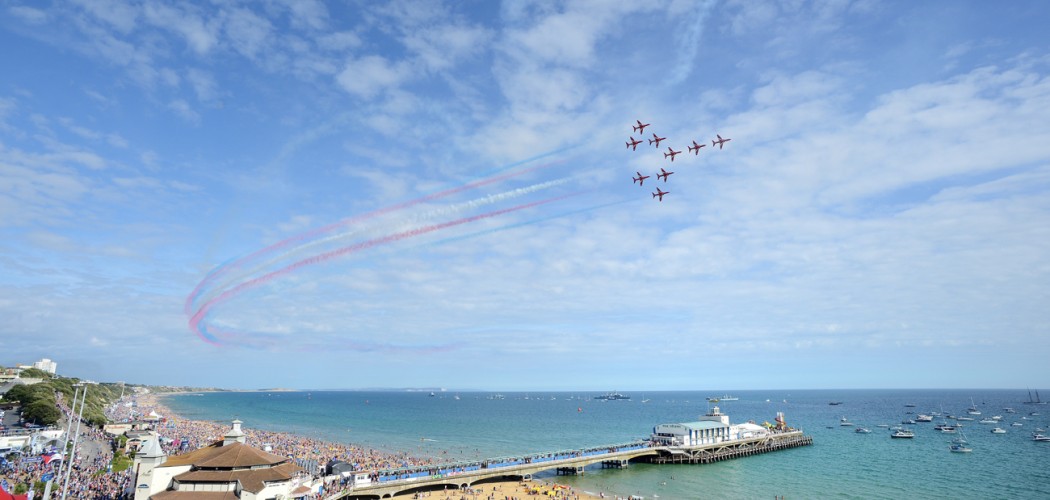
pixel 184 110
pixel 118 14
pixel 442 47
pixel 370 75
pixel 199 34
pixel 28 14
pixel 249 33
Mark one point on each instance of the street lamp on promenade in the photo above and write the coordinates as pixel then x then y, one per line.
pixel 76 435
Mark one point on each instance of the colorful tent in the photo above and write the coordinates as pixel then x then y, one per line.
pixel 7 496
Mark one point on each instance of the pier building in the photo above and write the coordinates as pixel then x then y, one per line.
pixel 710 428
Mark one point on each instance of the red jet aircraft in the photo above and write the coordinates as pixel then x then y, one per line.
pixel 640 128
pixel 656 140
pixel 633 144
pixel 695 148
pixel 719 142
pixel 640 179
pixel 660 194
pixel 671 153
pixel 663 174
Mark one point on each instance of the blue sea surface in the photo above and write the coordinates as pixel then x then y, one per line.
pixel 840 464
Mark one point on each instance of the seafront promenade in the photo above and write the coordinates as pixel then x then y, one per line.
pixel 462 476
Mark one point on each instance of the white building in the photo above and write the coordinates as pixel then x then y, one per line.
pixel 225 469
pixel 711 428
pixel 47 365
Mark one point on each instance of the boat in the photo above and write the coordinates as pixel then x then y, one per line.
pixel 1009 410
pixel 713 400
pixel 845 422
pixel 923 418
pixel 998 430
pixel 959 448
pixel 862 430
pixel 902 434
pixel 988 421
pixel 1040 437
pixel 945 427
pixel 612 396
pixel 730 398
pixel 884 426
pixel 834 403
pixel 964 419
pixel 1017 424
pixel 1034 400
pixel 972 410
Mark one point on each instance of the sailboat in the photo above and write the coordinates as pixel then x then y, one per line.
pixel 1034 401
pixel 960 445
pixel 972 410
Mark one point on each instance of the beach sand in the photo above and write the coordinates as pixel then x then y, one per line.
pixel 495 490
pixel 505 489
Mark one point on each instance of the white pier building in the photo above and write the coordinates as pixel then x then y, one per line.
pixel 711 428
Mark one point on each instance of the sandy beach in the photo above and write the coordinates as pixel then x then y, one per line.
pixel 203 433
pixel 505 490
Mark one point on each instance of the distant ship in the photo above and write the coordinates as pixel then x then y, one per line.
pixel 612 396
pixel 723 398
pixel 1035 400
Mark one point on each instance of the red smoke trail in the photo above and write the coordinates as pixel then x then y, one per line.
pixel 195 321
pixel 226 268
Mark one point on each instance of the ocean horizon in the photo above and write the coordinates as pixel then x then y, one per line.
pixel 468 425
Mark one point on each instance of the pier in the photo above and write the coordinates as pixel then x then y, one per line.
pixel 387 483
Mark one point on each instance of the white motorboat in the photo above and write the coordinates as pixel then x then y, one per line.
pixel 902 434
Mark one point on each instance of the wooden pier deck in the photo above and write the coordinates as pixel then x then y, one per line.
pixel 464 475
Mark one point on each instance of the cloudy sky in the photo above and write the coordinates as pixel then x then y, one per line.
pixel 287 193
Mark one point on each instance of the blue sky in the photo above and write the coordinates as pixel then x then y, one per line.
pixel 319 195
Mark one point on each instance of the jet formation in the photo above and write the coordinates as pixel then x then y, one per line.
pixel 632 144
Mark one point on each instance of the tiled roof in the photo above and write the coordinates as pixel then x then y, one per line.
pixel 217 456
pixel 251 480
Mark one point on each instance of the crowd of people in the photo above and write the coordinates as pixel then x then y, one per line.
pixel 92 475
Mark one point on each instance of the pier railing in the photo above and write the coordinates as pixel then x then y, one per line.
pixel 462 475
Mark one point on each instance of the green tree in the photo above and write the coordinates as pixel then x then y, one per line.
pixel 42 412
pixel 20 393
pixel 34 373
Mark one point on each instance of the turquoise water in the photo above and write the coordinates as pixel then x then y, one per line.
pixel 840 464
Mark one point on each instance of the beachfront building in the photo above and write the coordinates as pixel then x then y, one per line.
pixel 46 365
pixel 711 428
pixel 227 470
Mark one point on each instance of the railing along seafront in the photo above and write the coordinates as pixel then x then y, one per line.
pixel 462 474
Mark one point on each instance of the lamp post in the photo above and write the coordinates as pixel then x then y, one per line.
pixel 73 450
pixel 65 441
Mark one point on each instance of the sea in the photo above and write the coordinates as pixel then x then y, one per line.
pixel 841 463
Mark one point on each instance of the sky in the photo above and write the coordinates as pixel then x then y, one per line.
pixel 355 194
